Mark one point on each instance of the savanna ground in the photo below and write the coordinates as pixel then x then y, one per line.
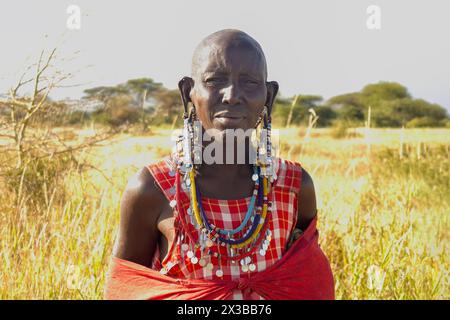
pixel 383 217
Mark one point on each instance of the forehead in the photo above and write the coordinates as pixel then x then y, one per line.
pixel 229 57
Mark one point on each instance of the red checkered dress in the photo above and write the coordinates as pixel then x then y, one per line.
pixel 228 214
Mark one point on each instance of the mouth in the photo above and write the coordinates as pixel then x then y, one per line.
pixel 231 115
pixel 229 119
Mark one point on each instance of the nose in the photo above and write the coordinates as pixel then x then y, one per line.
pixel 231 95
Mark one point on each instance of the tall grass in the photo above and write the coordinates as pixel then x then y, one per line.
pixel 383 217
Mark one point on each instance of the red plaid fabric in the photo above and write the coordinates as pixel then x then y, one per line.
pixel 228 214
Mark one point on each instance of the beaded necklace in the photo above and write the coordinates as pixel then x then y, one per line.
pixel 248 236
pixel 202 218
pixel 257 235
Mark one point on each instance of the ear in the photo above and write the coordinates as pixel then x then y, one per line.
pixel 272 90
pixel 185 86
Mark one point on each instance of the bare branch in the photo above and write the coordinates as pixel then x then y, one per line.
pixel 39 72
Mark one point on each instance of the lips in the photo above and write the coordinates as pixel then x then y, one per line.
pixel 229 115
pixel 229 119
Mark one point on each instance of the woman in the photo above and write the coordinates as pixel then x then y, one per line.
pixel 193 229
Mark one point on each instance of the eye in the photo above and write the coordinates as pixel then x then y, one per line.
pixel 251 82
pixel 215 80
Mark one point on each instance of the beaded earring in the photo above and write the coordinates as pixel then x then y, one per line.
pixel 185 141
pixel 264 151
pixel 201 242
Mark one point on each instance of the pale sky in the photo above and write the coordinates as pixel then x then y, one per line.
pixel 312 47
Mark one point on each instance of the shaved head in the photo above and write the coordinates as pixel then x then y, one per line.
pixel 228 86
pixel 221 41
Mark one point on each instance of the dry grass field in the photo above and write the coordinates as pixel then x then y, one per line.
pixel 383 200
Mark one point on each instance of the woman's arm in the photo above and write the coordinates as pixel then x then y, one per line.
pixel 306 207
pixel 140 207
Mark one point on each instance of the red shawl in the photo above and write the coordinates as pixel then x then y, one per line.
pixel 302 273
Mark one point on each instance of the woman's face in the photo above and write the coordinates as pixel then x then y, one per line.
pixel 229 87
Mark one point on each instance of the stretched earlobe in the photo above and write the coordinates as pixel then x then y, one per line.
pixel 185 86
pixel 272 90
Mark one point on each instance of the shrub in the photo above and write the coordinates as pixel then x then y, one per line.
pixel 39 179
pixel 423 122
pixel 339 129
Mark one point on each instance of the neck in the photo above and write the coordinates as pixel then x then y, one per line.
pixel 225 172
pixel 229 163
pixel 228 150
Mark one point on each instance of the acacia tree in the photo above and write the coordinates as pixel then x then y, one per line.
pixel 143 89
pixel 23 108
pixel 29 140
pixel 125 99
pixel 295 110
pixel 169 105
pixel 392 106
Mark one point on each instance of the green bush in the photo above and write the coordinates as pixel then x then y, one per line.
pixel 77 117
pixel 339 129
pixel 39 179
pixel 422 122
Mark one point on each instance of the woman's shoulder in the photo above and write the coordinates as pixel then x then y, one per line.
pixel 141 186
pixel 163 174
pixel 162 165
pixel 149 182
pixel 301 181
pixel 140 207
pixel 288 174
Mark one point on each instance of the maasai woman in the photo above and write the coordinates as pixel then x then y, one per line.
pixel 202 229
